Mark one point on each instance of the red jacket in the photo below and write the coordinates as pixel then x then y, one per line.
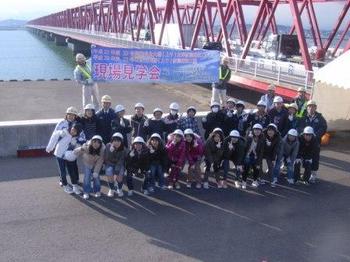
pixel 176 153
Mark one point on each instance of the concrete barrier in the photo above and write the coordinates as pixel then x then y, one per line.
pixel 34 134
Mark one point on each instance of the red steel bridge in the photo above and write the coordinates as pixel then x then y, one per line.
pixel 121 23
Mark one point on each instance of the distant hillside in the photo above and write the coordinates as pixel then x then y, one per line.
pixel 12 23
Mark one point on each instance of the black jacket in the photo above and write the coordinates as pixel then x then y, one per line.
pixel 89 126
pixel 213 154
pixel 137 124
pixel 159 157
pixel 272 146
pixel 139 160
pixel 123 129
pixel 259 148
pixel 236 155
pixel 230 123
pixel 308 150
pixel 318 123
pixel 263 120
pixel 155 126
pixel 214 120
pixel 279 118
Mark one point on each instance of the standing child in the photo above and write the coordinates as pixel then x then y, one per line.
pixel 120 124
pixel 307 154
pixel 287 153
pixel 92 153
pixel 194 153
pixel 114 159
pixel 234 148
pixel 158 161
pixel 138 160
pixel 89 121
pixel 64 141
pixel 176 152
pixel 213 155
pixel 253 155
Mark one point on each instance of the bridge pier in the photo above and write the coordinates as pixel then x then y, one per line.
pixel 60 40
pixel 50 37
pixel 81 47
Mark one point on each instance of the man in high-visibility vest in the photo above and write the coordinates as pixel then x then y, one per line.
pixel 301 101
pixel 82 74
pixel 219 89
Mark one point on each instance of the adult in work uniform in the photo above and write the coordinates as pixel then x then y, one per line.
pixel 82 74
pixel 219 90
pixel 301 102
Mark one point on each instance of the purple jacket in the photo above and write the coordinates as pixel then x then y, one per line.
pixel 176 153
pixel 193 154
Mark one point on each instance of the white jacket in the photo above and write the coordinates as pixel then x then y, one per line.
pixel 61 141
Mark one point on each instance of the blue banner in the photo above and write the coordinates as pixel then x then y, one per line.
pixel 155 65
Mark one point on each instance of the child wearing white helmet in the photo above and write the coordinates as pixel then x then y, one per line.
pixel 242 118
pixel 155 124
pixel 137 160
pixel 138 120
pixel 172 119
pixel 194 151
pixel 234 146
pixel 176 151
pixel 292 121
pixel 253 155
pixel 279 114
pixel 89 121
pixel 260 116
pixel 114 160
pixel 213 151
pixel 63 142
pixel 121 125
pixel 158 162
pixel 308 149
pixel 214 119
pixel 104 119
pixel 189 121
pixel 287 153
pixel 92 153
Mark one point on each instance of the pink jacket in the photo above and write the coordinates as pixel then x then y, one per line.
pixel 194 153
pixel 176 153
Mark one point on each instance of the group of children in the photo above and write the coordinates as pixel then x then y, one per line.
pixel 285 136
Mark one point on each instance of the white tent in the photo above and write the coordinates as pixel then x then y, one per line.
pixel 332 92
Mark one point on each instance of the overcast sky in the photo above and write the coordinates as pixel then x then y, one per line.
pixel 327 13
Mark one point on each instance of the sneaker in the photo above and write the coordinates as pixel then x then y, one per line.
pixel 206 185
pixel 151 190
pixel 110 193
pixel 312 178
pixel 237 184
pixel 130 192
pixel 170 186
pixel 219 184
pixel 145 192
pixel 166 175
pixel 156 184
pixel 163 187
pixel 86 196
pixel 177 185
pixel 97 194
pixel 244 185
pixel 290 181
pixel 61 184
pixel 198 185
pixel 67 189
pixel 255 184
pixel 76 190
pixel 224 184
pixel 274 182
pixel 188 185
pixel 120 193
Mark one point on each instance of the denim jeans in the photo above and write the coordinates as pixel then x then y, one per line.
pixel 290 169
pixel 114 170
pixel 88 175
pixel 62 169
pixel 156 173
pixel 250 162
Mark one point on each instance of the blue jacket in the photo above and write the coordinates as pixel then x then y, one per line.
pixel 279 118
pixel 317 122
pixel 104 127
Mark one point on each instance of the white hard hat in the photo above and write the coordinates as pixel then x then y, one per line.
pixel 240 103
pixel 271 87
pixel 106 99
pixel 308 130
pixel 72 110
pixel 119 108
pixel 257 126
pixel 232 100
pixel 156 135
pixel 118 135
pixel 217 129
pixel 311 103
pixel 191 108
pixel 174 106
pixel 278 99
pixel 188 131
pixel 273 126
pixel 79 57
pixel 70 156
pixel 139 105
pixel 234 133
pixel 89 107
pixel 293 105
pixel 293 132
pixel 261 103
pixel 301 89
pixel 215 104
pixel 157 110
pixel 138 139
pixel 178 132
pixel 97 137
